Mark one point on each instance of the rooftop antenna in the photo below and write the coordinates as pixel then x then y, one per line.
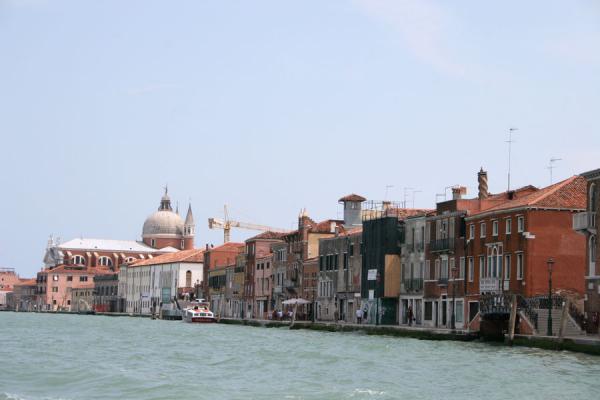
pixel 438 195
pixel 387 187
pixel 406 189
pixel 510 142
pixel 413 196
pixel 552 166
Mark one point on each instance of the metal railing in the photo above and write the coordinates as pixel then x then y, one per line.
pixel 494 304
pixel 524 305
pixel 584 220
pixel 443 281
pixel 441 244
pixel 413 285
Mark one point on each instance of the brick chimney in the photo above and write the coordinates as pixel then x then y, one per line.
pixel 458 192
pixel 482 178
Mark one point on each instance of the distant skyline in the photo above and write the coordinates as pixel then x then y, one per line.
pixel 271 106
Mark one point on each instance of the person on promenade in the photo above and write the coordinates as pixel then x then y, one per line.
pixel 365 315
pixel 410 316
pixel 359 316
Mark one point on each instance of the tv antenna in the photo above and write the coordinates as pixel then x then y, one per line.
pixel 413 196
pixel 552 166
pixel 387 188
pixel 406 189
pixel 510 142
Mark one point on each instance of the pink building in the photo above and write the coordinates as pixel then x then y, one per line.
pixel 263 285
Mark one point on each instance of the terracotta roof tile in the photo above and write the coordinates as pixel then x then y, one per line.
pixel 194 256
pixel 352 197
pixel 268 235
pixel 567 194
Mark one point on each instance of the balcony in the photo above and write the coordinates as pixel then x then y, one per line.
pixel 443 281
pixel 584 221
pixel 440 245
pixel 413 285
pixel 490 285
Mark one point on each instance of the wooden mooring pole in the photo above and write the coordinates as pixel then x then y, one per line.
pixel 513 319
pixel 563 320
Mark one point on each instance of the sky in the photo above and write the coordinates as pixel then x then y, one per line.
pixel 273 106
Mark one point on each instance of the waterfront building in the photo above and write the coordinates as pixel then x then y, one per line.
pixel 23 297
pixel 148 286
pixel 83 298
pixel 263 273
pixel 302 245
pixel 339 272
pixel 510 243
pixel 8 278
pixel 382 238
pixel 106 293
pixel 259 248
pixel 412 258
pixel 310 280
pixel 217 260
pixel 586 223
pixel 280 280
pixel 55 285
pixel 234 287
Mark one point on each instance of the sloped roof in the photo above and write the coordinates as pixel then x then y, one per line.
pixel 70 269
pixel 26 282
pixel 352 197
pixel 268 235
pixel 189 256
pixel 106 245
pixel 568 194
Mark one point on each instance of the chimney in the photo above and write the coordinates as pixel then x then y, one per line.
pixel 458 192
pixel 482 178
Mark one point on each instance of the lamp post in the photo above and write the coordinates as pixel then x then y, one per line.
pixel 550 264
pixel 453 317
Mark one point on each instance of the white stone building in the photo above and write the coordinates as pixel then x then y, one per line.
pixel 150 285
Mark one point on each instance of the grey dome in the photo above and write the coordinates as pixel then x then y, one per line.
pixel 163 222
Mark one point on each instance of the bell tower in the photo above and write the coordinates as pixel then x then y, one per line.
pixel 189 230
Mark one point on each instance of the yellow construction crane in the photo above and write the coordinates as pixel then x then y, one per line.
pixel 226 224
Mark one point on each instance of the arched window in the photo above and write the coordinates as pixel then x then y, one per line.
pixel 592 198
pixel 129 260
pixel 78 260
pixel 188 279
pixel 105 261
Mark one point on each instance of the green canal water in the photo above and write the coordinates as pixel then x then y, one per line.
pixel 46 356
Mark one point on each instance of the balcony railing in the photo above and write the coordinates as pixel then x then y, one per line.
pixel 443 281
pixel 442 244
pixel 584 221
pixel 413 285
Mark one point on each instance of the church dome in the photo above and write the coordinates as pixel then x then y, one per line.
pixel 163 222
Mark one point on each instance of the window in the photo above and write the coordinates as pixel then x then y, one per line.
pixel 83 278
pixel 507 267
pixel 461 269
pixel 459 311
pixel 592 198
pixel 188 278
pixel 55 278
pixel 427 270
pixel 182 244
pixel 444 268
pixel 472 231
pixel 321 263
pixel 519 266
pixel 481 267
pixel 105 261
pixel 152 243
pixel 495 228
pixel 345 260
pixel 520 224
pixel 508 226
pixel 437 269
pixel 428 311
pixel 69 278
pixel 482 230
pixel 54 289
pixel 471 269
pixel 78 260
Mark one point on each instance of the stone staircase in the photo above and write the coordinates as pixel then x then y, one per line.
pixel 571 329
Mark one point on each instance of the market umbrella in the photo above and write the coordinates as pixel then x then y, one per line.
pixel 295 302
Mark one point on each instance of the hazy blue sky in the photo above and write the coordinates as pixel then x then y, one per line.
pixel 271 106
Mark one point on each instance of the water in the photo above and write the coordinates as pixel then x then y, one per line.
pixel 91 357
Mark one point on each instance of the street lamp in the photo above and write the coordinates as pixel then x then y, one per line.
pixel 453 318
pixel 550 264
